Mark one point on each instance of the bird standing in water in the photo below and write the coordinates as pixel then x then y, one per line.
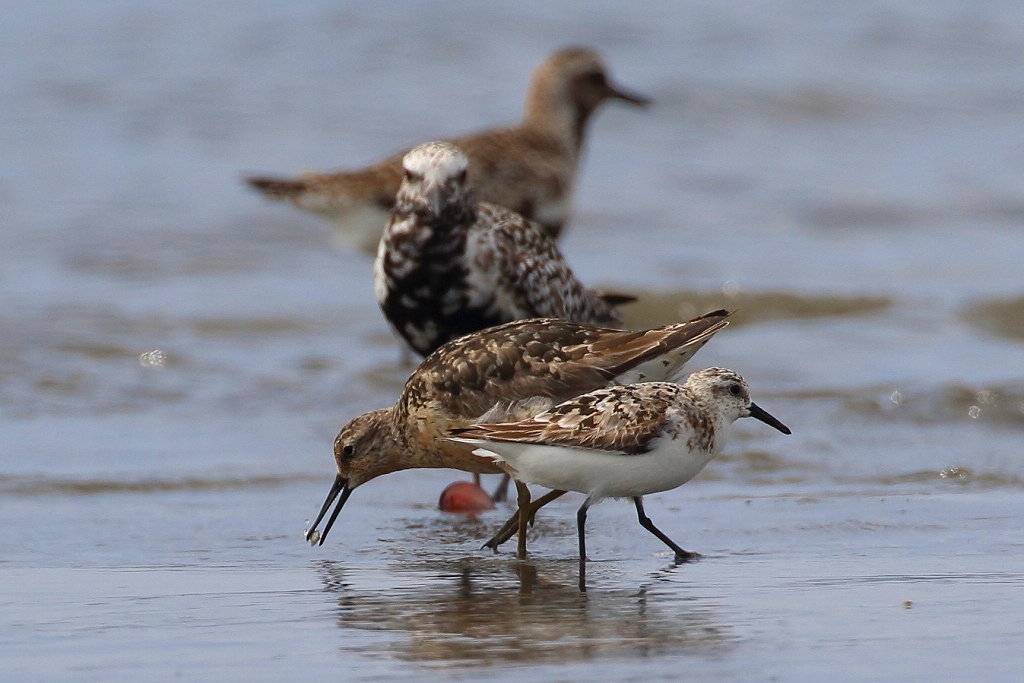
pixel 622 442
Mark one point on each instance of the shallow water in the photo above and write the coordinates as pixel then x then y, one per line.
pixel 848 179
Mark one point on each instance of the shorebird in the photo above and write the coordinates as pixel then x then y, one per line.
pixel 529 168
pixel 622 442
pixel 500 374
pixel 448 265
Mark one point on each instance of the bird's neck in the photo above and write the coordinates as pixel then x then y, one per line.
pixel 712 422
pixel 411 210
pixel 557 115
pixel 393 441
pixel 426 446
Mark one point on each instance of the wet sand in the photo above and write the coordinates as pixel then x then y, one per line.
pixel 912 582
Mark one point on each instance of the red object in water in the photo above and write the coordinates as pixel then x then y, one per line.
pixel 465 497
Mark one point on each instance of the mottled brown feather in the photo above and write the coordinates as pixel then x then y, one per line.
pixel 553 359
pixel 621 419
pixel 502 374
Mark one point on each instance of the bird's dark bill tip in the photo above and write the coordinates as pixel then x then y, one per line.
pixel 340 485
pixel 759 413
pixel 627 96
pixel 345 493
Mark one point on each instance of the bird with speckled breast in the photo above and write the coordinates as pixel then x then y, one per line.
pixel 448 265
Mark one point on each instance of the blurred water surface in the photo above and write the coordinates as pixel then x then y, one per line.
pixel 848 178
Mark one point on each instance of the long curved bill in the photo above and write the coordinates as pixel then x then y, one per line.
pixel 759 413
pixel 340 486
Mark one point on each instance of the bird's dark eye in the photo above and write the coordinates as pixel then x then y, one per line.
pixel 348 451
pixel 595 78
pixel 461 177
pixel 409 175
pixel 735 390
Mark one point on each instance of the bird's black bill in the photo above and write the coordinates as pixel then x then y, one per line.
pixel 759 413
pixel 345 493
pixel 340 486
pixel 626 96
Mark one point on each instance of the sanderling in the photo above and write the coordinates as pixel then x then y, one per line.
pixel 529 168
pixel 622 441
pixel 448 265
pixel 501 374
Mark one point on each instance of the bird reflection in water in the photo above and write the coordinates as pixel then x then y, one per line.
pixel 482 610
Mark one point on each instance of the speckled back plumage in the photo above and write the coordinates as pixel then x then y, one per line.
pixel 490 374
pixel 502 374
pixel 622 419
pixel 447 266
pixel 633 419
pixel 529 168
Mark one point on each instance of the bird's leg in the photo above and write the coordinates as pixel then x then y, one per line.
pixel 645 522
pixel 581 522
pixel 524 516
pixel 501 493
pixel 542 501
pixel 504 533
pixel 508 529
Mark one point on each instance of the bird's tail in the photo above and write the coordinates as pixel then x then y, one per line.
pixel 276 188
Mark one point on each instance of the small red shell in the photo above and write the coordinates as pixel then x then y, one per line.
pixel 464 497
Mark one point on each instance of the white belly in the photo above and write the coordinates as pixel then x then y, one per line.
pixel 600 473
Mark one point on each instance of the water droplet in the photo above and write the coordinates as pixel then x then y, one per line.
pixel 896 397
pixel 985 397
pixel 313 536
pixel 731 288
pixel 973 412
pixel 153 359
pixel 956 473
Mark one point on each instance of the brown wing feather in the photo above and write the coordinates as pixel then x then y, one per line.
pixel 617 355
pixel 624 419
pixel 539 358
pixel 512 362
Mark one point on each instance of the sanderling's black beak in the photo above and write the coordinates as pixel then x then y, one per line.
pixel 615 92
pixel 759 413
pixel 340 486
